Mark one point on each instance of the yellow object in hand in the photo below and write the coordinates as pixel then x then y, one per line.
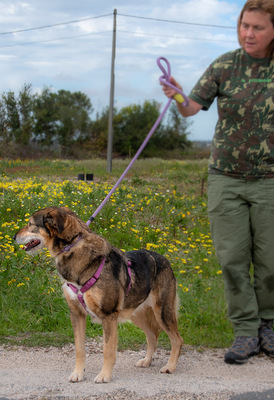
pixel 178 97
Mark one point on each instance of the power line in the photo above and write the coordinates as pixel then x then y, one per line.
pixel 55 40
pixel 107 15
pixel 178 22
pixel 102 32
pixel 175 36
pixel 53 25
pixel 118 30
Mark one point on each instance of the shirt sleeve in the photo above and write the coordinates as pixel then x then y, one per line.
pixel 207 87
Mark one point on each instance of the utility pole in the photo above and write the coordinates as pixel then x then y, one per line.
pixel 111 99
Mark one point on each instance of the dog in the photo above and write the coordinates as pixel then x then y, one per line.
pixel 109 285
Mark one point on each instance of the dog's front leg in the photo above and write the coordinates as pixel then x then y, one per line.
pixel 79 327
pixel 110 348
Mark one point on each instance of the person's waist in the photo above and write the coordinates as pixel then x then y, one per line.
pixel 247 177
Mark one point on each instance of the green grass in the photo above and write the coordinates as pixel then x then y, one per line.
pixel 160 205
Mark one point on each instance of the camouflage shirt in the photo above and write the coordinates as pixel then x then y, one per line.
pixel 243 143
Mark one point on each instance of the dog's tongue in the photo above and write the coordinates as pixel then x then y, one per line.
pixel 31 244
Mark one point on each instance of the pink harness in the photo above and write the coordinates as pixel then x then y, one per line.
pixel 91 282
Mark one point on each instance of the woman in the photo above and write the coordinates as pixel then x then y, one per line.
pixel 241 176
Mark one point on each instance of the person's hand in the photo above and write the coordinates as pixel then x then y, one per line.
pixel 170 92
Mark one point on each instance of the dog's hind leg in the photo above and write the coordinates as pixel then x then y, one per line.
pixel 145 320
pixel 166 316
pixel 79 326
pixel 110 324
pixel 176 345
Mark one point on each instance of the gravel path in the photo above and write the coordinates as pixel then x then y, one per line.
pixel 42 374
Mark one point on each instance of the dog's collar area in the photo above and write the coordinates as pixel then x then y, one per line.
pixel 91 282
pixel 69 246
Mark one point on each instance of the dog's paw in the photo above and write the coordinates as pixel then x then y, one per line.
pixel 102 378
pixel 167 369
pixel 77 376
pixel 144 362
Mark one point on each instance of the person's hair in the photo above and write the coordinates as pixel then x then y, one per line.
pixel 266 6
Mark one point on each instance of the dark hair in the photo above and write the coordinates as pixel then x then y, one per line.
pixel 266 6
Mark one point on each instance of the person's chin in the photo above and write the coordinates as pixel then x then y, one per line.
pixel 251 50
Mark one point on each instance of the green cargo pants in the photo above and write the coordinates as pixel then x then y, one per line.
pixel 241 214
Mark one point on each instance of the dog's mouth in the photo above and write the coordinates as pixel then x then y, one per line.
pixel 30 245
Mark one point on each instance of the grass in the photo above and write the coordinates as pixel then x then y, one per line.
pixel 161 205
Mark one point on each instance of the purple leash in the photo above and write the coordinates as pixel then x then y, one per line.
pixel 165 79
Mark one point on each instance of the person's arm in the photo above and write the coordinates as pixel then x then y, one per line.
pixel 192 108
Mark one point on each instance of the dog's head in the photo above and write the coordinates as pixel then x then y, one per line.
pixel 51 228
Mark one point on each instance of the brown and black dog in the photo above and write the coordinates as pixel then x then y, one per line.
pixel 137 285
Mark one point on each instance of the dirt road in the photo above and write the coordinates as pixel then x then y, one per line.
pixel 42 374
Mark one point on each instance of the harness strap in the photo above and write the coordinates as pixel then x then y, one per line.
pixel 93 279
pixel 91 282
pixel 129 272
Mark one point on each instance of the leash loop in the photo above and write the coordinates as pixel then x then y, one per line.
pixel 165 80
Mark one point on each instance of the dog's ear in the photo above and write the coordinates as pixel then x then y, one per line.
pixel 54 220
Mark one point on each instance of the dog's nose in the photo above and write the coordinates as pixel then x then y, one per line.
pixel 14 237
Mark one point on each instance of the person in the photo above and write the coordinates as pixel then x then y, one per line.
pixel 241 176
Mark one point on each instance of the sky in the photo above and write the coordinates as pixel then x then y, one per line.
pixel 68 45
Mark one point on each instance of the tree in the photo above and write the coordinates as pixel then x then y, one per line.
pixel 25 108
pixel 73 116
pixel 4 132
pixel 12 116
pixel 45 117
pixel 133 123
pixel 131 126
pixel 63 118
pixel 174 135
pixel 99 130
